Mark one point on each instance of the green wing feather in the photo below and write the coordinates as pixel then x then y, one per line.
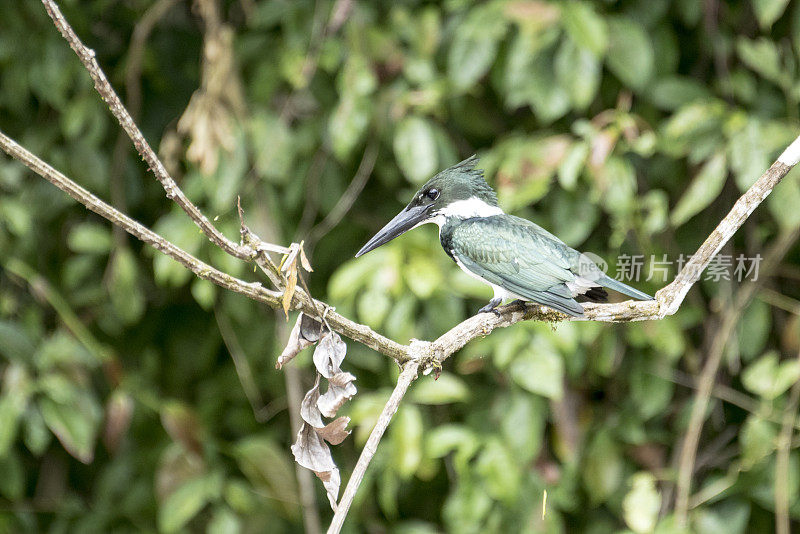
pixel 519 256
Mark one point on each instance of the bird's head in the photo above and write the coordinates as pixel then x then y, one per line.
pixel 459 191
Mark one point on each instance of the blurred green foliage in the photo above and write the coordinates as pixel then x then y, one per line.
pixel 623 127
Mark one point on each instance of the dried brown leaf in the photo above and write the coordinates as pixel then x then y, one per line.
pixel 297 342
pixel 334 432
pixel 340 390
pixel 304 260
pixel 310 328
pixel 329 354
pixel 311 451
pixel 291 284
pixel 308 408
pixel 331 480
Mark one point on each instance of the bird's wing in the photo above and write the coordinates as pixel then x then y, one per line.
pixel 514 255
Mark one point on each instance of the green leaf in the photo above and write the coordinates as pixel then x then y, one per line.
pixel 224 521
pixel 72 414
pixel 676 91
pixel 650 393
pixel 126 295
pixel 175 228
pixel 373 306
pixel 539 370
pixel 642 503
pixel 630 54
pixel 769 378
pixel 768 11
pixel 578 72
pixel 444 390
pixel 693 124
pixel 757 439
pixel 498 469
pixel 474 46
pixel 522 423
pixel 415 148
pixel 273 146
pixel 268 468
pixel 406 440
pixel 348 125
pixel 754 329
pixel 12 483
pixel 762 56
pixel 422 276
pixel 585 27
pixel 90 238
pixel 572 165
pixel 13 403
pixel 444 439
pixel 16 345
pixel 702 191
pixel 183 504
pixel 783 204
pixel 747 155
pixel 603 469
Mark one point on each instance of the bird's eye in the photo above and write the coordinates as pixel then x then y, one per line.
pixel 433 194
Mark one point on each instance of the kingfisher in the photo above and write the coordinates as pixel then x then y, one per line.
pixel 515 257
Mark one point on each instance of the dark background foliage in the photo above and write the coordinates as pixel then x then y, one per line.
pixel 625 127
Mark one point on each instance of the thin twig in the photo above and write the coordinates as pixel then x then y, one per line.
pixel 688 454
pixel 241 365
pixel 407 376
pixel 101 84
pixel 253 290
pixel 350 194
pixel 782 468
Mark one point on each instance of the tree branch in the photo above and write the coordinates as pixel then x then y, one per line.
pixel 101 84
pixel 730 319
pixel 407 376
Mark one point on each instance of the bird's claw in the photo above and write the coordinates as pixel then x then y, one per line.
pixel 491 307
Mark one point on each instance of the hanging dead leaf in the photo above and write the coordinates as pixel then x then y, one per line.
pixel 331 480
pixel 329 354
pixel 306 332
pixel 311 329
pixel 334 432
pixel 304 259
pixel 308 408
pixel 340 390
pixel 291 283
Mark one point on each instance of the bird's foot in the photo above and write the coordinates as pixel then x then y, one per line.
pixel 492 307
pixel 519 302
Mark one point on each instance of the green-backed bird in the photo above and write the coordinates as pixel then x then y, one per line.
pixel 514 256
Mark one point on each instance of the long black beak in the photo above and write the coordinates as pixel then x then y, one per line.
pixel 403 222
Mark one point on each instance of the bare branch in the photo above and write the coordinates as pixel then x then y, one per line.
pixel 408 375
pixel 101 84
pixel 253 290
pixel 688 453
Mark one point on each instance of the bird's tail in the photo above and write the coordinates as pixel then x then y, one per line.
pixel 616 285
